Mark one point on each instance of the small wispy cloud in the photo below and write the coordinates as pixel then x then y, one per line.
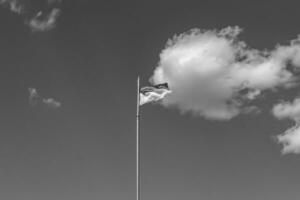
pixel 290 139
pixel 42 22
pixel 37 20
pixel 35 99
pixel 15 5
pixel 52 103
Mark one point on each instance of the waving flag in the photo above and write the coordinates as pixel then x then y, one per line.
pixel 154 93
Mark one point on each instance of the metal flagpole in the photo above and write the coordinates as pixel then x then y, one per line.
pixel 138 141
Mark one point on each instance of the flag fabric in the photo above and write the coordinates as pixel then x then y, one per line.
pixel 154 93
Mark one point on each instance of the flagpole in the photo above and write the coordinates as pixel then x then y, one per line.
pixel 138 141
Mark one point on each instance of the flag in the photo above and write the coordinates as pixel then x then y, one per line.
pixel 154 93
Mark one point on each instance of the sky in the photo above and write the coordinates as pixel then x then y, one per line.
pixel 68 100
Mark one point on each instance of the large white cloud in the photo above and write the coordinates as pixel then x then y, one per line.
pixel 291 137
pixel 213 74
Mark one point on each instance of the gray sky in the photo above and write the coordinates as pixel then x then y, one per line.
pixel 89 61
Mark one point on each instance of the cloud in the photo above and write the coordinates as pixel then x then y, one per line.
pixel 43 22
pixel 38 18
pixel 290 139
pixel 288 110
pixel 215 75
pixel 35 99
pixel 51 103
pixel 15 5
